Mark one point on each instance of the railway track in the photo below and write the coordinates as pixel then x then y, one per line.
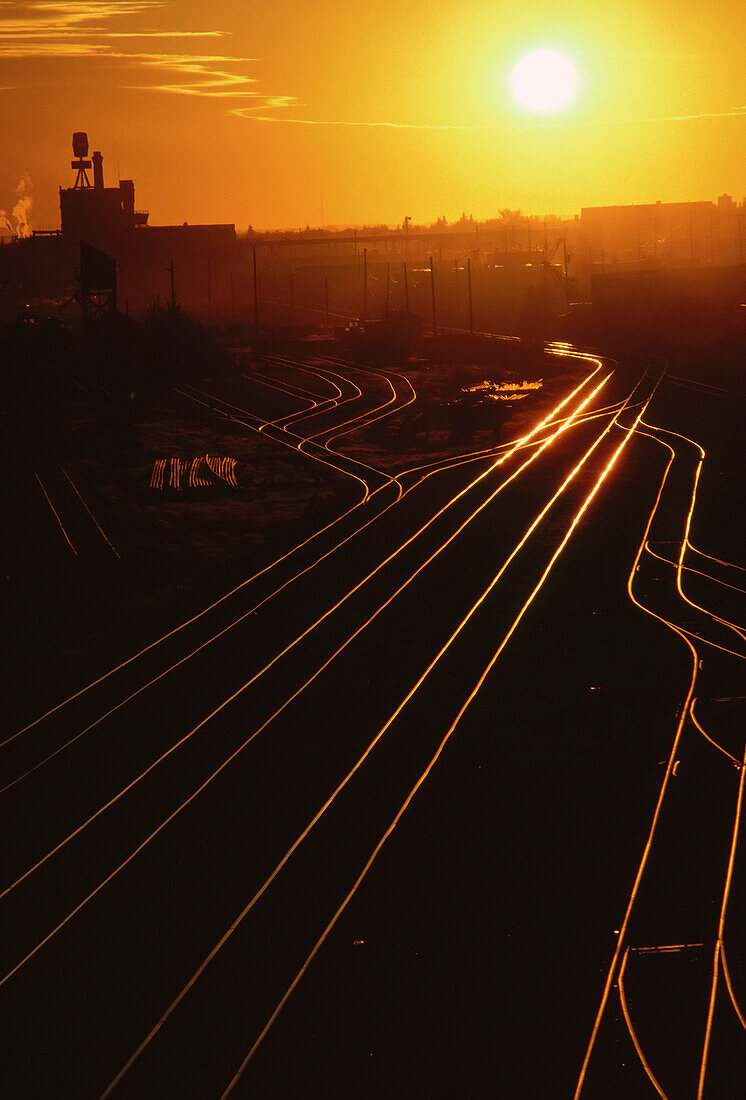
pixel 216 805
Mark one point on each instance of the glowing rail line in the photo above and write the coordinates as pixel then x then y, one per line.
pixel 225 703
pixel 104 536
pixel 372 415
pixel 716 961
pixel 435 758
pixel 323 407
pixel 633 1034
pixel 566 420
pixel 734 760
pixel 685 540
pixel 691 569
pixel 291 646
pixel 381 733
pixel 621 937
pixel 687 711
pixel 523 441
pixel 158 473
pixel 729 986
pixel 56 515
pixel 684 543
pixel 213 403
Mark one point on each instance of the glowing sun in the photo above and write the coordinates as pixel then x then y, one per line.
pixel 544 81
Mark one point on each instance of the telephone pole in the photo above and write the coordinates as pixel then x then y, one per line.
pixel 471 314
pixel 365 283
pixel 256 290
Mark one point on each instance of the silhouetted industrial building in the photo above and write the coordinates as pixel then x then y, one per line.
pixel 44 265
pixel 97 213
pixel 664 232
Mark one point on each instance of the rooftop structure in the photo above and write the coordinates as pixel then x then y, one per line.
pixel 95 213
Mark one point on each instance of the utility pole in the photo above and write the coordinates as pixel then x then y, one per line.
pixel 388 285
pixel 326 299
pixel 173 296
pixel 406 288
pixel 567 284
pixel 471 314
pixel 233 301
pixel 256 289
pixel 691 236
pixel 432 292
pixel 458 289
pixel 365 283
pixel 712 246
pixel 292 290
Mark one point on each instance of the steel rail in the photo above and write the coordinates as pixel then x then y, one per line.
pixel 685 713
pixel 213 638
pixel 521 442
pixel 349 776
pixel 691 569
pixel 56 515
pixel 633 1034
pixel 716 961
pixel 441 747
pixel 685 542
pixel 103 534
pixel 647 848
pixel 697 725
pixel 221 707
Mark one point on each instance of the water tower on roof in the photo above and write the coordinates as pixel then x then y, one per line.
pixel 93 212
pixel 81 163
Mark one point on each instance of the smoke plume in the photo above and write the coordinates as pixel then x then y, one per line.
pixel 18 221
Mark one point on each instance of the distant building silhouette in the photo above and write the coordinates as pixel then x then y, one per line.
pixel 203 256
pixel 94 213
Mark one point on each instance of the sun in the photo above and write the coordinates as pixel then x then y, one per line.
pixel 544 81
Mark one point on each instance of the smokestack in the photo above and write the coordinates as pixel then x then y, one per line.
pixel 98 170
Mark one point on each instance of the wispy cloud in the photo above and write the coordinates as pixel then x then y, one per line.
pixel 216 83
pixel 47 17
pixel 486 127
pixel 58 30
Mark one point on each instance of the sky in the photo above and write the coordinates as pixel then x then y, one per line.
pixel 322 112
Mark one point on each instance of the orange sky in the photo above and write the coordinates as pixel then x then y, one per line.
pixel 309 111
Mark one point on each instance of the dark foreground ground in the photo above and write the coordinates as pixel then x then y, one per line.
pixel 472 959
